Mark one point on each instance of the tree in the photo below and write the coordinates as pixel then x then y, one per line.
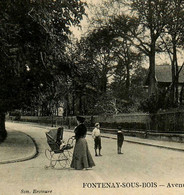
pixel 32 44
pixel 97 55
pixel 84 84
pixel 172 39
pixel 152 16
pixel 109 50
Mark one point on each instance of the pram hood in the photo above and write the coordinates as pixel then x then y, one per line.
pixel 56 134
pixel 54 138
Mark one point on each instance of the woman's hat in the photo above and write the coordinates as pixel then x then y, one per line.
pixel 80 119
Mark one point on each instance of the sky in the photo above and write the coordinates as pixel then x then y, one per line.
pixel 77 31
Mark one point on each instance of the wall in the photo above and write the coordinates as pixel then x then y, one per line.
pixel 161 122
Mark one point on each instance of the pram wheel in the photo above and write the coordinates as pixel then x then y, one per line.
pixel 69 155
pixel 49 154
pixel 62 160
pixel 65 159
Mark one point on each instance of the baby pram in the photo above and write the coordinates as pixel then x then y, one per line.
pixel 59 152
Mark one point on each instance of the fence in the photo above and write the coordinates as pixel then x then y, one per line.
pixel 168 122
pixel 161 122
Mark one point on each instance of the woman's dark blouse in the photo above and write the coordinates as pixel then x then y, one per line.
pixel 80 131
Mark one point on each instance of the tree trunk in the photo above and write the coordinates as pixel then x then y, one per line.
pixel 3 132
pixel 80 104
pixel 127 70
pixel 127 78
pixel 175 75
pixel 104 79
pixel 181 95
pixel 173 81
pixel 104 83
pixel 73 103
pixel 152 85
pixel 176 72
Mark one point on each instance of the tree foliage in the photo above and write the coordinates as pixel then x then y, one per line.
pixel 33 36
pixel 108 55
pixel 32 44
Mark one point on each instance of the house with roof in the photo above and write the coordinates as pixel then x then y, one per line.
pixel 163 77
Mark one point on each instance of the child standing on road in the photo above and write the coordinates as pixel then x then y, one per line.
pixel 97 139
pixel 120 139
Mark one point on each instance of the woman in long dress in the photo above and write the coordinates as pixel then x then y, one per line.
pixel 81 156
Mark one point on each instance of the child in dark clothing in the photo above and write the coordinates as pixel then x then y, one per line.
pixel 120 139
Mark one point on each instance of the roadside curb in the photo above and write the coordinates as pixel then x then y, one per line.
pixel 147 144
pixel 158 146
pixel 126 140
pixel 32 155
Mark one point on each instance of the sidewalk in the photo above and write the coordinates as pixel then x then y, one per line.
pixel 149 142
pixel 154 143
pixel 17 147
pixel 20 147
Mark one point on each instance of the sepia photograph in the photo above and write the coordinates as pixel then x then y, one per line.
pixel 92 97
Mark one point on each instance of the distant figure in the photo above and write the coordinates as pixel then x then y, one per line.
pixel 97 139
pixel 81 155
pixel 120 139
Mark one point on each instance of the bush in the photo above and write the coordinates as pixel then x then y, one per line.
pixel 155 102
pixel 16 114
